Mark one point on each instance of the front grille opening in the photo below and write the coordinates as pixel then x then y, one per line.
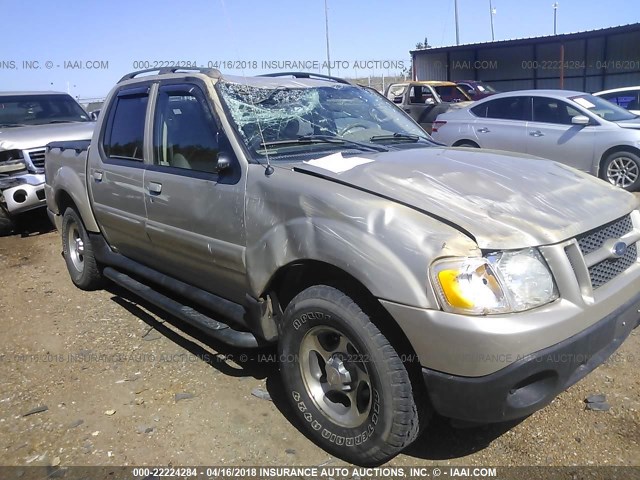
pixel 591 241
pixel 608 269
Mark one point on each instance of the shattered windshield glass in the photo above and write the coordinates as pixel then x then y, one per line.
pixel 286 122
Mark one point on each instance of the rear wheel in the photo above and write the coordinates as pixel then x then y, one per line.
pixel 78 253
pixel 345 381
pixel 622 169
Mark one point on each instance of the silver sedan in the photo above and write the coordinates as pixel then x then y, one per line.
pixel 574 128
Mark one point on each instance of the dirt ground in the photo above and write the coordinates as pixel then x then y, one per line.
pixel 124 384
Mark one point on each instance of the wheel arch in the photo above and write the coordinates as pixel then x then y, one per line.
pixel 612 150
pixel 70 190
pixel 295 277
pixel 459 143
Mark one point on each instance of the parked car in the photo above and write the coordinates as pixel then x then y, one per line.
pixel 28 121
pixel 574 128
pixel 627 98
pixel 395 275
pixel 425 100
pixel 476 89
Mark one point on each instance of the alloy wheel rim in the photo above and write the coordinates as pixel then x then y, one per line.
pixel 76 247
pixel 623 172
pixel 336 376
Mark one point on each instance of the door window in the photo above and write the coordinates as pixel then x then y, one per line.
pixel 627 100
pixel 508 108
pixel 185 131
pixel 551 110
pixel 421 95
pixel 124 133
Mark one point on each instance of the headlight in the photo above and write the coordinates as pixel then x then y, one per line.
pixel 498 283
pixel 11 161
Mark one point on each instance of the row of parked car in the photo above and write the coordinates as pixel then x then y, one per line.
pixel 598 134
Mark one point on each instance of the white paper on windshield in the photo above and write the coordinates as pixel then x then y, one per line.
pixel 336 163
pixel 583 102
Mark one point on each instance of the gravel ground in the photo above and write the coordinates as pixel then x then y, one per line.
pixel 118 383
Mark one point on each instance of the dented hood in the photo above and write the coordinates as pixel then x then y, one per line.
pixel 34 136
pixel 503 200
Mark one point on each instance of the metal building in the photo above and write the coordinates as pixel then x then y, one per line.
pixel 587 61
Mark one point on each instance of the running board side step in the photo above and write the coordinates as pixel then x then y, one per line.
pixel 220 331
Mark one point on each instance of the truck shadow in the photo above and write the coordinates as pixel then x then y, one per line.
pixel 439 441
pixel 224 358
pixel 35 222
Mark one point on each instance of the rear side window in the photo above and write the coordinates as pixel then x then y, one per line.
pixel 509 108
pixel 124 133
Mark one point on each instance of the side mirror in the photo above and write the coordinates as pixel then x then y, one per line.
pixel 580 120
pixel 471 92
pixel 94 115
pixel 223 163
pixel 397 99
pixel 429 101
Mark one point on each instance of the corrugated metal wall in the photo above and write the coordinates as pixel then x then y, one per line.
pixel 596 61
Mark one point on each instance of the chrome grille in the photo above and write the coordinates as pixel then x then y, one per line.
pixel 37 157
pixel 593 240
pixel 606 270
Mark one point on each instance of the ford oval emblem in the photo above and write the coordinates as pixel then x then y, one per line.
pixel 619 249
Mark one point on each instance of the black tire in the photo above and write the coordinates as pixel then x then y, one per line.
pixel 6 222
pixel 78 255
pixel 622 169
pixel 467 144
pixel 383 418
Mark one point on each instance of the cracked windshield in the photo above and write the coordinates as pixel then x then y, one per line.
pixel 282 122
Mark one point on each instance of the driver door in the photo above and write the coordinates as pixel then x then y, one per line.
pixel 195 213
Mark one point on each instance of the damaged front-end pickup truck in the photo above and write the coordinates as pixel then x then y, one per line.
pixel 28 122
pixel 395 276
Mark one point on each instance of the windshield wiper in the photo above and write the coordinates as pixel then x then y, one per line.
pixel 311 139
pixel 5 125
pixel 397 136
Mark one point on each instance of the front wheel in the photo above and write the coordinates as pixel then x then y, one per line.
pixel 345 381
pixel 622 169
pixel 78 253
pixel 6 222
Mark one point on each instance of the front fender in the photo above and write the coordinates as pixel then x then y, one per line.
pixel 388 251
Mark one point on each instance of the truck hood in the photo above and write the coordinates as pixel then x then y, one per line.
pixel 502 200
pixel 34 136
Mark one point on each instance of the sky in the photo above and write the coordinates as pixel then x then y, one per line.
pixel 85 46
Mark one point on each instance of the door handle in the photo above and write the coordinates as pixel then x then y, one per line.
pixel 537 133
pixel 97 175
pixel 154 188
pixel 483 130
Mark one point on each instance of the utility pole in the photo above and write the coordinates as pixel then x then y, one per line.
pixel 555 17
pixel 492 12
pixel 326 27
pixel 455 7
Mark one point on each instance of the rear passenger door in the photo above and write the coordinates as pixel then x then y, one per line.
pixel 195 214
pixel 502 123
pixel 116 170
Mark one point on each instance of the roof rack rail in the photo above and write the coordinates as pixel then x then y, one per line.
pixel 211 72
pixel 306 75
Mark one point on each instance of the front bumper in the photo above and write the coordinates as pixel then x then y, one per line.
pixel 24 193
pixel 531 382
